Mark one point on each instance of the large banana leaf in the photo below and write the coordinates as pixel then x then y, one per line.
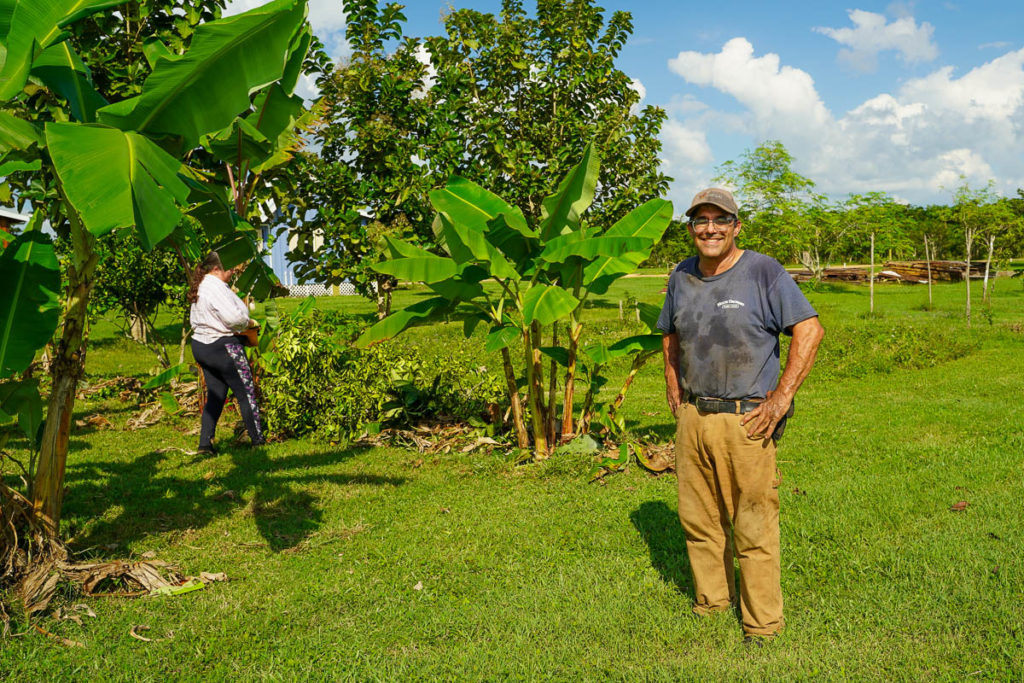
pixel 261 133
pixel 207 87
pixel 649 220
pixel 562 210
pixel 466 245
pixel 61 70
pixel 115 179
pixel 599 270
pixel 470 205
pixel 594 247
pixel 547 303
pixel 399 320
pixel 501 337
pixel 428 270
pixel 640 342
pixel 402 249
pixel 518 245
pixel 33 26
pixel 16 134
pixel 257 280
pixel 29 306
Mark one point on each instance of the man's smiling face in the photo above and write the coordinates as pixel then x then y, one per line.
pixel 713 242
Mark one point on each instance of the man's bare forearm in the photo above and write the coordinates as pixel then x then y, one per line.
pixel 803 349
pixel 807 335
pixel 670 355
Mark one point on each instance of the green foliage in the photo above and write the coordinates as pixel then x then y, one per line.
pixel 509 104
pixel 133 282
pixel 29 307
pixel 882 346
pixel 313 381
pixel 364 182
pixel 545 272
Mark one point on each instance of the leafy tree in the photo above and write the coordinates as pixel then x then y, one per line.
pixel 365 183
pixel 775 203
pixel 545 271
pixel 510 101
pixel 971 211
pixel 107 172
pixel 516 97
pixel 134 285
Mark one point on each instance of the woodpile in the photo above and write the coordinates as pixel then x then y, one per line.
pixel 898 271
pixel 950 271
pixel 845 274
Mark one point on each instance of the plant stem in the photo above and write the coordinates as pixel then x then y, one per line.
pixel 533 376
pixel 522 436
pixel 638 362
pixel 575 331
pixel 552 388
pixel 67 368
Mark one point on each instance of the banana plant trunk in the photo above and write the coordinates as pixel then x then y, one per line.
pixel 518 423
pixel 552 390
pixel 535 377
pixel 67 368
pixel 575 330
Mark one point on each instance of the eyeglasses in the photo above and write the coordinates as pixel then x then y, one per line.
pixel 719 221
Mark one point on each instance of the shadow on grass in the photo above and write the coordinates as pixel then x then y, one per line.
pixel 283 508
pixel 659 526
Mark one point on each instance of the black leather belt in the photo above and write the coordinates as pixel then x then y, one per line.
pixel 723 405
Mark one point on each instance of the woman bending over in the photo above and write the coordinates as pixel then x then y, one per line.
pixel 217 315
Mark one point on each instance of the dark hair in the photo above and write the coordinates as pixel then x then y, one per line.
pixel 207 265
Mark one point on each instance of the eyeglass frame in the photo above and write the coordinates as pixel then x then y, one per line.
pixel 705 222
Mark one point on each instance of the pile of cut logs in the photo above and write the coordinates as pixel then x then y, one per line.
pixel 898 271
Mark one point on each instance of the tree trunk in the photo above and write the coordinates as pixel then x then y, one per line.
pixel 871 275
pixel 575 330
pixel 928 260
pixel 522 436
pixel 969 237
pixel 383 298
pixel 137 327
pixel 988 265
pixel 68 365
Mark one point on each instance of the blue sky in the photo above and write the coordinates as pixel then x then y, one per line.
pixel 901 97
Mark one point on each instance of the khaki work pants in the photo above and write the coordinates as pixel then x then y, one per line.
pixel 728 498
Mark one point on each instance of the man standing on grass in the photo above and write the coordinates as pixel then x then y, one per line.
pixel 723 313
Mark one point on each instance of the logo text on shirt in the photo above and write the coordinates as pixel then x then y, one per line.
pixel 730 303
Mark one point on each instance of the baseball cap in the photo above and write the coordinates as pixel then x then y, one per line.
pixel 715 196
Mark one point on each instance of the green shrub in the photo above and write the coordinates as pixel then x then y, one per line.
pixel 313 381
pixel 879 346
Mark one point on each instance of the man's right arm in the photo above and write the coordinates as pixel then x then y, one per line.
pixel 670 354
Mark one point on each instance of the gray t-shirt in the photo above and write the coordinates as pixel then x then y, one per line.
pixel 729 325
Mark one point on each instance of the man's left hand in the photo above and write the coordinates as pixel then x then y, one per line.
pixel 766 416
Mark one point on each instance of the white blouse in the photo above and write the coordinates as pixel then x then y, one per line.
pixel 217 312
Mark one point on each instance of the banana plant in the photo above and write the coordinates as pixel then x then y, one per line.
pixel 124 165
pixel 29 312
pixel 544 274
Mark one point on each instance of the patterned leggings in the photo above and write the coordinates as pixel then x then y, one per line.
pixel 225 367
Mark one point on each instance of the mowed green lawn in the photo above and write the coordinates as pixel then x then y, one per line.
pixel 385 564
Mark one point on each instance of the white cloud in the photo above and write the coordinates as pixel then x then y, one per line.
pixel 871 34
pixel 423 56
pixel 912 142
pixel 781 100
